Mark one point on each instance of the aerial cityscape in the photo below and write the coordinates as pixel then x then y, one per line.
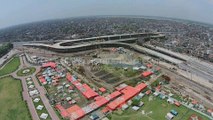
pixel 106 67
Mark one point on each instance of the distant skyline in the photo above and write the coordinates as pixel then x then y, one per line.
pixel 15 12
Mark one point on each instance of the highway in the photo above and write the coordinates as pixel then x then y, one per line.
pixel 158 54
pixel 198 70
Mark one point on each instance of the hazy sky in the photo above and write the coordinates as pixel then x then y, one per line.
pixel 13 12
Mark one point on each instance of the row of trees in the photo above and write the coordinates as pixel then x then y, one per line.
pixel 5 48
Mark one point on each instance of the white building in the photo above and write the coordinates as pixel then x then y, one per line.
pixel 124 106
pixel 39 107
pixel 44 116
pixel 36 100
pixel 169 116
pixel 136 108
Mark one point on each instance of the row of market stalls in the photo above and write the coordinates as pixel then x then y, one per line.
pixel 112 101
pixel 51 74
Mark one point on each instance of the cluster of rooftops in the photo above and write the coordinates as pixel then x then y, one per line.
pixel 112 101
pixel 122 94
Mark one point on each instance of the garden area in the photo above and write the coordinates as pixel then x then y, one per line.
pixel 26 71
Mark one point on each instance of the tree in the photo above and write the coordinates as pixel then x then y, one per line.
pixel 135 102
pixel 5 48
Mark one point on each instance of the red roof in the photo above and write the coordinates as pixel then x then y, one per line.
pixel 75 112
pixel 148 92
pixel 102 101
pixel 70 88
pixel 158 69
pixel 194 102
pixel 177 103
pixel 85 90
pixel 158 88
pixel 69 77
pixel 41 79
pixel 120 87
pixel 141 86
pixel 98 98
pixel 63 112
pixel 49 64
pixel 105 110
pixel 149 65
pixel 146 73
pixel 210 111
pixel 128 93
pixel 114 95
pixel 102 89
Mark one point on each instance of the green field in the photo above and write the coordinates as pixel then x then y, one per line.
pixel 119 72
pixel 10 67
pixel 12 107
pixel 32 70
pixel 155 110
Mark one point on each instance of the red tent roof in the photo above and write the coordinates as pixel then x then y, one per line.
pixel 85 90
pixel 114 95
pixel 41 79
pixel 63 112
pixel 141 86
pixel 158 88
pixel 98 98
pixel 210 110
pixel 102 89
pixel 194 102
pixel 158 69
pixel 75 112
pixel 146 73
pixel 49 64
pixel 128 93
pixel 177 103
pixel 149 65
pixel 120 87
pixel 69 77
pixel 148 92
pixel 70 88
pixel 105 110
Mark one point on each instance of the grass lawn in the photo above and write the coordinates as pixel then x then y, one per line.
pixel 155 110
pixel 10 67
pixel 116 71
pixel 133 82
pixel 20 72
pixel 12 107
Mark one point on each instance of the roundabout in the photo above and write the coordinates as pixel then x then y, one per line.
pixel 26 71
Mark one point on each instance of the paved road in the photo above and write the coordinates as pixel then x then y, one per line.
pixel 42 92
pixel 25 94
pixel 4 58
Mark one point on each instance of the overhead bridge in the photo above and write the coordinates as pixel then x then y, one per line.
pixel 105 44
